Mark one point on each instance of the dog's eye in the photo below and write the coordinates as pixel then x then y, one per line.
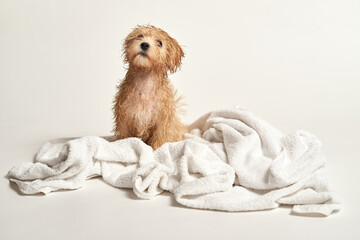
pixel 140 36
pixel 159 43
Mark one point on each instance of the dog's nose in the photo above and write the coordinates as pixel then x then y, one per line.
pixel 144 46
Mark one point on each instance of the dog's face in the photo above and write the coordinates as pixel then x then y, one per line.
pixel 149 47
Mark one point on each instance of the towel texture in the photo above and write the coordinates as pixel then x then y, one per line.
pixel 231 160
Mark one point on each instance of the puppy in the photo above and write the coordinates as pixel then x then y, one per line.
pixel 145 104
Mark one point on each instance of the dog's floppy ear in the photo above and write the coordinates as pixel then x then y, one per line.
pixel 126 44
pixel 174 55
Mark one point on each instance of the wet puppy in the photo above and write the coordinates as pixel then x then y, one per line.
pixel 145 105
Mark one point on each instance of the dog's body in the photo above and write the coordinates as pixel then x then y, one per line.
pixel 145 105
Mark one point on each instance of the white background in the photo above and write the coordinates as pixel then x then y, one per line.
pixel 293 63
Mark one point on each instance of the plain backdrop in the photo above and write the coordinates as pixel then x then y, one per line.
pixel 294 63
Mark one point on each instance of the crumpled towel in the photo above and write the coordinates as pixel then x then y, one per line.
pixel 231 161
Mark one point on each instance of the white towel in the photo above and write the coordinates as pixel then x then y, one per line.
pixel 231 160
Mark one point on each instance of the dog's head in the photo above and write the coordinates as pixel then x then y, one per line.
pixel 149 47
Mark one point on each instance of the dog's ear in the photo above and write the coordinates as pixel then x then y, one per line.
pixel 174 55
pixel 126 44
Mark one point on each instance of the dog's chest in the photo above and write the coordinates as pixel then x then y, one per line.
pixel 142 101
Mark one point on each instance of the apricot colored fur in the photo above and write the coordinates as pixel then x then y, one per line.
pixel 145 104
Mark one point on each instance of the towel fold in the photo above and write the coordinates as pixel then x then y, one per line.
pixel 231 160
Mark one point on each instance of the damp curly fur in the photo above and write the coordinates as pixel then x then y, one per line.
pixel 145 105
